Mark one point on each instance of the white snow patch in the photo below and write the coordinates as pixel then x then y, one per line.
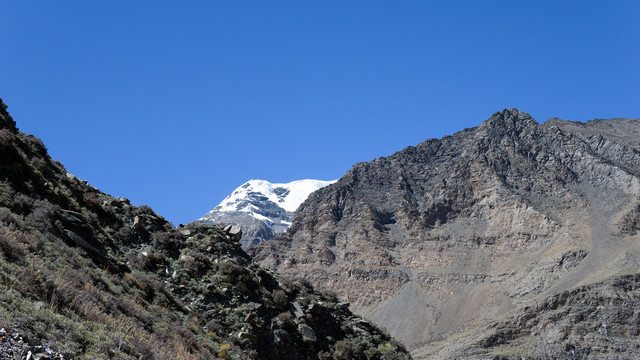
pixel 262 218
pixel 299 191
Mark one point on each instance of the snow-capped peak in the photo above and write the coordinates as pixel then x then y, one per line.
pixel 261 208
pixel 286 196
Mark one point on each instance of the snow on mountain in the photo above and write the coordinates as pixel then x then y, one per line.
pixel 262 209
pixel 287 196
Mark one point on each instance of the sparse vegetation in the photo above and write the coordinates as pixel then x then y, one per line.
pixel 93 277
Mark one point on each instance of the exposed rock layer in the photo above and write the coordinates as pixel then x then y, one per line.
pixel 441 239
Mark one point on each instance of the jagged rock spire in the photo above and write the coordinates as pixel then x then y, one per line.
pixel 510 119
pixel 508 122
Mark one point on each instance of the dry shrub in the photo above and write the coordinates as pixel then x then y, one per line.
pixel 223 353
pixel 12 249
pixel 6 137
pixel 7 217
pixel 124 235
pixel 42 216
pixel 280 298
pixel 165 241
pixel 39 163
pixel 37 144
pixel 345 350
pixel 91 199
pixel 145 209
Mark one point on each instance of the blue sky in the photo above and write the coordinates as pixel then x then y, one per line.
pixel 175 104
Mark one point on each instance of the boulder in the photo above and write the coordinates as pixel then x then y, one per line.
pixel 234 231
pixel 137 224
pixel 307 332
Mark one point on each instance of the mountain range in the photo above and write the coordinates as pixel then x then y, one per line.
pixel 261 208
pixel 509 240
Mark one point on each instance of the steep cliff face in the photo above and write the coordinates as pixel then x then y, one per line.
pixel 84 275
pixel 448 235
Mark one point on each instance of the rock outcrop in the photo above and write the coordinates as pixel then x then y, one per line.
pixel 598 321
pixel 439 240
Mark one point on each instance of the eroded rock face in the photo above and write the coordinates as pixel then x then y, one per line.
pixel 598 321
pixel 455 232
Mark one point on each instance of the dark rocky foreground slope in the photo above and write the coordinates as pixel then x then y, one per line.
pixel 512 239
pixel 84 275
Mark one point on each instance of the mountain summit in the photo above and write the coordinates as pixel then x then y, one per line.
pixel 262 209
pixel 512 239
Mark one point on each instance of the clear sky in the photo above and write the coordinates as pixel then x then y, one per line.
pixel 174 104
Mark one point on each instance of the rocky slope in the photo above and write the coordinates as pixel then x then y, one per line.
pixel 598 321
pixel 84 275
pixel 439 241
pixel 261 208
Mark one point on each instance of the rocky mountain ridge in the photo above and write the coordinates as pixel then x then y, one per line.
pixel 84 275
pixel 261 208
pixel 439 241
